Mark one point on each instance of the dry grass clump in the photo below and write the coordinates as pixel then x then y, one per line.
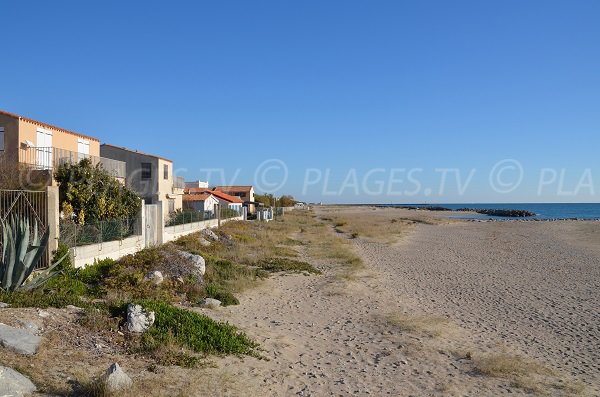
pixel 373 225
pixel 321 243
pixel 432 326
pixel 526 374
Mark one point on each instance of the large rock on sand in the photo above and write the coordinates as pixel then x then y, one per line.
pixel 210 235
pixel 14 384
pixel 197 260
pixel 138 319
pixel 155 277
pixel 19 340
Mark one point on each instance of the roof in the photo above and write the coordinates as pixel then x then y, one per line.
pixel 16 116
pixel 220 195
pixel 196 197
pixel 234 189
pixel 226 197
pixel 136 151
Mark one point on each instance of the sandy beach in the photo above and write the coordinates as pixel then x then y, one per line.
pixel 443 311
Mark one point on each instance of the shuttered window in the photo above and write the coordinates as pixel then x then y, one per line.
pixel 146 170
pixel 1 139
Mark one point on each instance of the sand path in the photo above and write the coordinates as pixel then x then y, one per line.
pixel 518 286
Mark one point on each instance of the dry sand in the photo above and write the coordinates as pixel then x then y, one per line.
pixel 426 313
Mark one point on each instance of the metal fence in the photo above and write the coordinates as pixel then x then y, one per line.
pixel 50 158
pixel 31 205
pixel 184 217
pixel 96 232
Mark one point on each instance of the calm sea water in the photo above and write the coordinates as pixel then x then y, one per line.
pixel 543 211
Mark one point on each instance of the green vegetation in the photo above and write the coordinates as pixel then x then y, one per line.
pixel 245 254
pixel 226 297
pixel 194 331
pixel 269 200
pixel 90 193
pixel 22 250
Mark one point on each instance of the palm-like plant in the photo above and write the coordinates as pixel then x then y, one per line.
pixel 21 252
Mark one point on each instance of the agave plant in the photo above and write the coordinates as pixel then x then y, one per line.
pixel 21 252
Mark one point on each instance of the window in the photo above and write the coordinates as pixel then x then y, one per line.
pixel 166 171
pixel 44 152
pixel 1 139
pixel 146 170
pixel 171 205
pixel 83 149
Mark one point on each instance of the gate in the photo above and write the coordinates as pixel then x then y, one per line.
pixel 151 224
pixel 31 205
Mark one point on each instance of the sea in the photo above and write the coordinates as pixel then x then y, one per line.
pixel 543 211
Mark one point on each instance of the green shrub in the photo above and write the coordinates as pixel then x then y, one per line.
pixel 226 297
pixel 91 193
pixel 63 252
pixel 40 298
pixel 195 331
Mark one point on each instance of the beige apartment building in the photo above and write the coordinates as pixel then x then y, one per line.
pixel 150 176
pixel 44 147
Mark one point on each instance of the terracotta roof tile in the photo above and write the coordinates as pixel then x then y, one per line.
pixel 219 195
pixel 196 197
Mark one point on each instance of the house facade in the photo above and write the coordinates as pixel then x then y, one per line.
pixel 150 176
pixel 44 147
pixel 203 202
pixel 245 193
pixel 225 200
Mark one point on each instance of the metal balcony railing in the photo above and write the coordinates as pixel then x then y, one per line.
pixel 50 158
pixel 179 182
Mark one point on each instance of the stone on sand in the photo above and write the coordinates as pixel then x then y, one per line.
pixel 211 302
pixel 155 277
pixel 138 319
pixel 19 340
pixel 12 383
pixel 116 380
pixel 197 260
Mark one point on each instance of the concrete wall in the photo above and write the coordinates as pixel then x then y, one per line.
pixel 87 254
pixel 174 232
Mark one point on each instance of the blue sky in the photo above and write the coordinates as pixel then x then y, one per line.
pixel 342 87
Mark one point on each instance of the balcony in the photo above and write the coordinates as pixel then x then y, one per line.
pixel 50 158
pixel 178 185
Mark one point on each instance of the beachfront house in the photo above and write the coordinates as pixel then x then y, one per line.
pixel 245 193
pixel 200 202
pixel 224 199
pixel 150 176
pixel 44 147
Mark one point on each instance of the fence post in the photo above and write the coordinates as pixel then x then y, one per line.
pixel 160 220
pixel 219 215
pixel 141 223
pixel 53 217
